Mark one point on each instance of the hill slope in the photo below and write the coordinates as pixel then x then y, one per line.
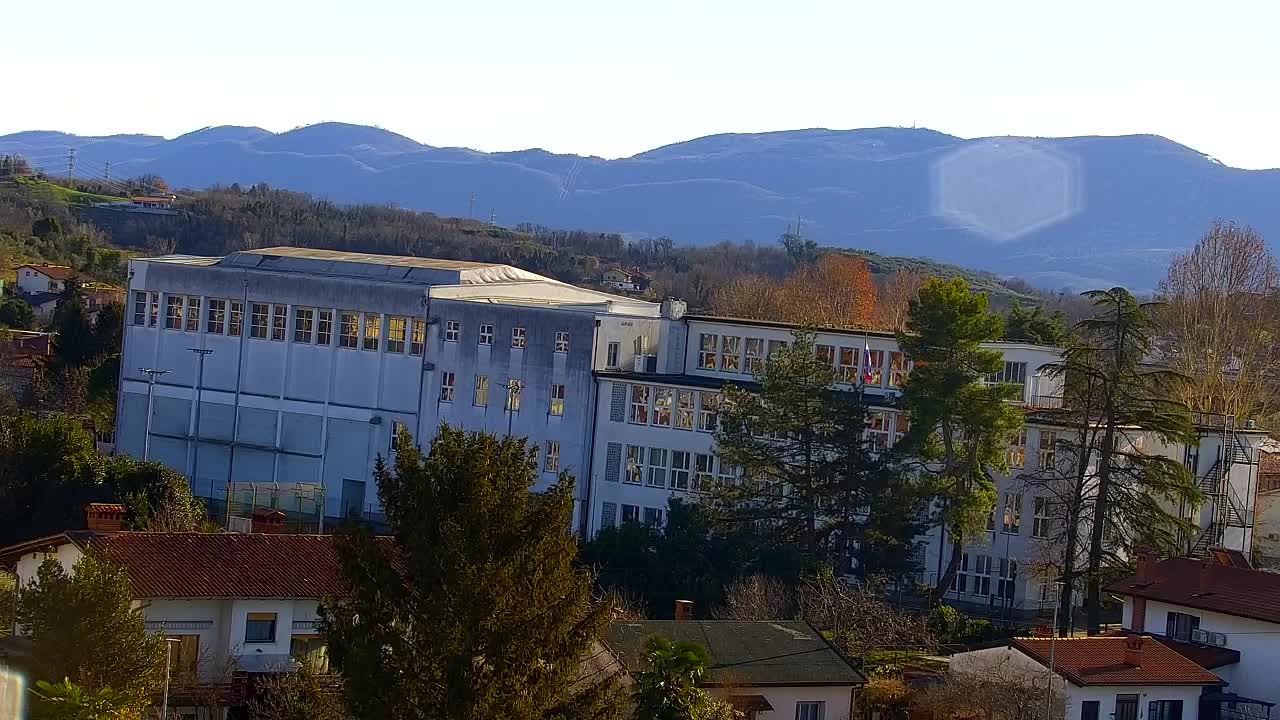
pixel 1137 198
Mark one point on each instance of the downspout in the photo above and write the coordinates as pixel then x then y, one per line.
pixel 245 314
pixel 422 374
pixel 588 487
pixel 124 339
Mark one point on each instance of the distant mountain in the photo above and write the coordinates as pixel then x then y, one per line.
pixel 1100 210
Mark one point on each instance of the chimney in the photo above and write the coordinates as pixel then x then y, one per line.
pixel 683 609
pixel 1206 576
pixel 1133 651
pixel 267 521
pixel 104 517
pixel 1146 559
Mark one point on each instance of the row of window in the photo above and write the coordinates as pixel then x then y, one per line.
pixel 1010 511
pixel 519 336
pixel 975 572
pixel 675 469
pixel 853 365
pixel 513 388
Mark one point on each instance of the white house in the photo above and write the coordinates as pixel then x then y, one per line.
pixel 1218 611
pixel 1101 678
pixel 770 670
pixel 43 278
pixel 235 604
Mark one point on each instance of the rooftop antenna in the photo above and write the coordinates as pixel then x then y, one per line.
pixel 493 216
pixel 471 206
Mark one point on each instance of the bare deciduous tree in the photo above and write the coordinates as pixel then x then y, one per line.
pixel 895 299
pixel 757 597
pixel 1000 692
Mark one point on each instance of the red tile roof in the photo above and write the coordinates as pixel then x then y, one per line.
pixel 162 565
pixel 1229 590
pixel 1101 661
pixel 55 272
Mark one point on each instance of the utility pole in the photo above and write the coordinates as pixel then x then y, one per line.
pixel 71 168
pixel 471 206
pixel 151 374
pixel 195 458
pixel 106 173
pixel 493 216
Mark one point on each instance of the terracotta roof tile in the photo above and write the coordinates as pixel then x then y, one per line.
pixel 226 564
pixel 1235 591
pixel 55 272
pixel 1101 661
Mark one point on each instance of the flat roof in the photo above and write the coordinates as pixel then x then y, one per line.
pixel 370 258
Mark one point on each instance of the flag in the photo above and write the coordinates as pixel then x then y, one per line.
pixel 866 362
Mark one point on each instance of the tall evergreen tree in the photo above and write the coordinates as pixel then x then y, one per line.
pixel 960 427
pixel 75 343
pixel 1034 326
pixel 476 610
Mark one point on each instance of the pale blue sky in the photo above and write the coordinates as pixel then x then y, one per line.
pixel 612 79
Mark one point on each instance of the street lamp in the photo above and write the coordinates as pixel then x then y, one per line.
pixel 168 664
pixel 1053 641
pixel 195 459
pixel 151 374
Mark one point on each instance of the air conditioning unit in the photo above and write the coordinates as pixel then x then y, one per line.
pixel 1205 637
pixel 238 524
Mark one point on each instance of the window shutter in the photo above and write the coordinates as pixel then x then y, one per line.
pixel 612 462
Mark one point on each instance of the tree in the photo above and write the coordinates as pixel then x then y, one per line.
pixel 47 474
pixel 1217 323
pixel 155 497
pixel 75 343
pixel 1132 487
pixel 476 610
pixel 799 248
pixel 836 290
pixel 1034 326
pixel 108 330
pixel 16 313
pixel 76 620
pixel 960 427
pixel 895 299
pixel 68 701
pixel 808 477
pixel 667 687
pixel 301 694
pixel 46 227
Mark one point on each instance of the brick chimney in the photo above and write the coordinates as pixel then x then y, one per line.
pixel 1146 559
pixel 684 608
pixel 267 521
pixel 104 517
pixel 1133 651
pixel 1206 575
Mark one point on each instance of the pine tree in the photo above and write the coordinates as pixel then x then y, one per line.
pixel 476 609
pixel 960 427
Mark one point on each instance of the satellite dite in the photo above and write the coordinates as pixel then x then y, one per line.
pixel 11 688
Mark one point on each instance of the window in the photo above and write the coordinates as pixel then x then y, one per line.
pixel 186 656
pixel 153 311
pixel 878 430
pixel 480 398
pixel 1179 626
pixel 348 330
pixel 825 353
pixel 452 331
pixel 258 320
pixel 630 514
pixel 847 365
pixel 611 358
pixel 260 628
pixel 679 470
pixel 517 337
pixel 640 404
pixel 193 314
pixel 324 327
pixel 419 337
pixel 303 320
pixel 446 387
pixel 729 353
pixel 562 342
pixel 552 462
pixel 1016 454
pixel 278 320
pixel 1013 373
pixel 901 426
pixel 217 321
pixel 139 308
pixel 557 400
pixel 1040 518
pixel 775 346
pixel 1046 455
pixel 1006 586
pixel 707 351
pixel 1088 710
pixel 372 330
pixel 657 467
pixel 310 650
pixel 235 323
pixel 662 406
pixel 635 465
pixel 976 577
pixel 486 334
pixel 653 517
pixel 1164 710
pixel 755 355
pixel 395 334
pixel 704 467
pixel 875 367
pixel 728 474
pixel 991 520
pixel 814 710
pixel 709 411
pixel 684 409
pixel 514 388
pixel 1012 521
pixel 173 312
pixel 897 369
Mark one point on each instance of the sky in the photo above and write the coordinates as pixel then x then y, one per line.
pixel 613 78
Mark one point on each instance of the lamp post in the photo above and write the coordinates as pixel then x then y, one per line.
pixel 1053 641
pixel 168 664
pixel 195 458
pixel 151 374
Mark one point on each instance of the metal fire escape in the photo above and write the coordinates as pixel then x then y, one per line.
pixel 1228 510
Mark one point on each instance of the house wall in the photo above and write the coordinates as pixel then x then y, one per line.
pixel 1266 538
pixel 32 281
pixel 1254 676
pixel 839 700
pixel 28 565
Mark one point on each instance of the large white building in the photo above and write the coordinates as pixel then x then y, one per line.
pixel 312 358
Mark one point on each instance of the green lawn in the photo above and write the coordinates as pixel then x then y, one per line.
pixel 74 197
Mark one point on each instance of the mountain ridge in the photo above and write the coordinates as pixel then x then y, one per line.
pixel 1141 198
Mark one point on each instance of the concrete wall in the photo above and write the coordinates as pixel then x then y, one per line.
pixel 838 700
